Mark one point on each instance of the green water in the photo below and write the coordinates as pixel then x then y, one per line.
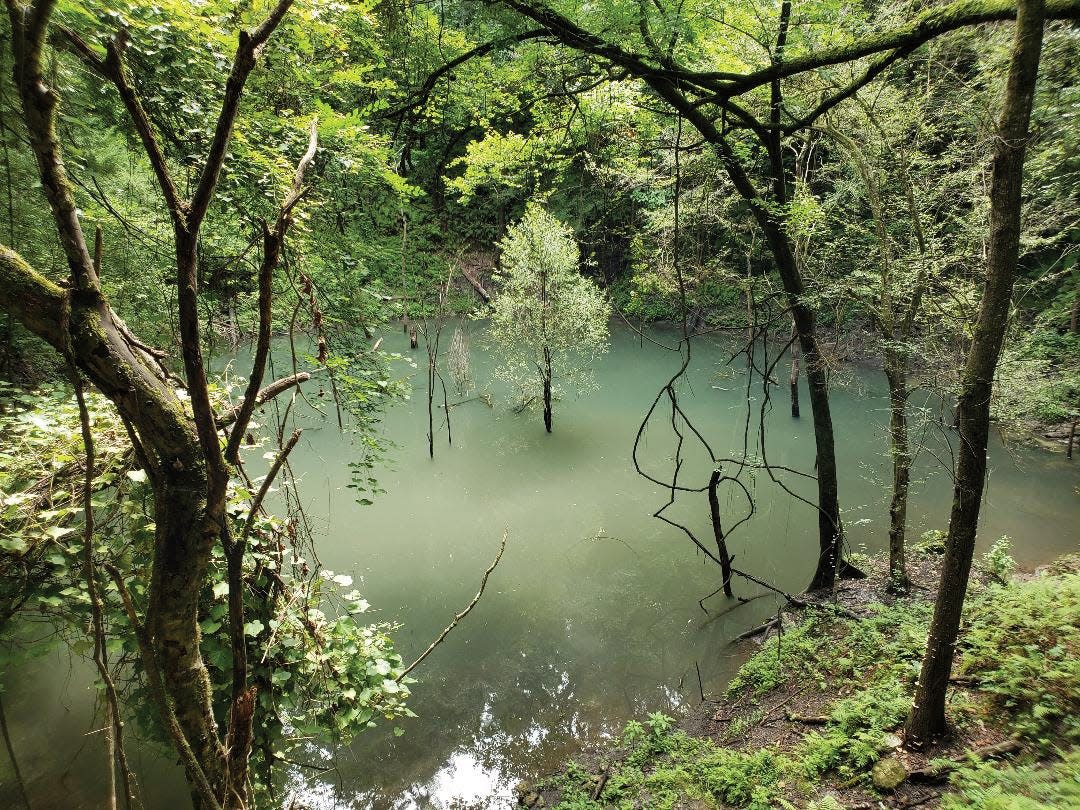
pixel 592 617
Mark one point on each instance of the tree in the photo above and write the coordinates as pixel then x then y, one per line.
pixel 894 309
pixel 926 720
pixel 180 451
pixel 547 319
pixel 718 105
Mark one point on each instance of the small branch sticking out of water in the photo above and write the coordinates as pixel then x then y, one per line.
pixel 457 618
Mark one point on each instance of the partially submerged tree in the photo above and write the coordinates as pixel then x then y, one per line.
pixel 548 320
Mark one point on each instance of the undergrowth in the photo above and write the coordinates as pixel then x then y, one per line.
pixel 1018 657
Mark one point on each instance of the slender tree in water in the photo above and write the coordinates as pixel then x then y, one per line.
pixel 549 322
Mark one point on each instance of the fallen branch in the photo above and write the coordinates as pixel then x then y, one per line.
pixel 459 616
pixel 604 775
pixel 936 772
pixel 755 631
pixel 265 395
pixel 476 285
pixel 808 719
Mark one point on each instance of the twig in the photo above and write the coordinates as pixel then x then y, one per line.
pixel 459 616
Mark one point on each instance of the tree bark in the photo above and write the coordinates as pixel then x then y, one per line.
pixel 547 389
pixel 896 373
pixel 926 721
pixel 794 380
pixel 718 533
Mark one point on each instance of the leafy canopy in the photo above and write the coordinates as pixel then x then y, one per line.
pixel 547 318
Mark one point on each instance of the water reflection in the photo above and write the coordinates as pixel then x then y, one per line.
pixel 592 617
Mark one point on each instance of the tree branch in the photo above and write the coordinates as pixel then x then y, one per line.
pixel 727 84
pixel 113 68
pixel 922 29
pixel 273 240
pixel 458 617
pixel 247 51
pixel 420 97
pixel 266 394
pixel 39 100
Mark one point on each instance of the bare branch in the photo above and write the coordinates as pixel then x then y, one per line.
pixel 113 68
pixel 260 496
pixel 266 394
pixel 247 51
pixel 459 616
pixel 273 241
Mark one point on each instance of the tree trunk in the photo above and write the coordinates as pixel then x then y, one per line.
pixel 830 528
pixel 926 721
pixel 718 533
pixel 431 401
pixel 896 373
pixel 176 467
pixel 547 389
pixel 794 381
pixel 1074 315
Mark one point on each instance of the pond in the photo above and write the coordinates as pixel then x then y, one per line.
pixel 592 617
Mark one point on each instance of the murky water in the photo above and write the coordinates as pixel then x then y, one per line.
pixel 592 617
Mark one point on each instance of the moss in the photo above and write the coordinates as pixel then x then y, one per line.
pixel 666 768
pixel 1020 647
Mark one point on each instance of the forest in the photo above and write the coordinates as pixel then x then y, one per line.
pixel 466 404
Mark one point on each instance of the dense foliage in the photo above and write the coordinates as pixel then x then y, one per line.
pixel 544 166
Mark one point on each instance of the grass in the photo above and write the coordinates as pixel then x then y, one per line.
pixel 1018 661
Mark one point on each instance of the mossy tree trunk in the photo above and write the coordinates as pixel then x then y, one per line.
pixel 181 453
pixel 896 374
